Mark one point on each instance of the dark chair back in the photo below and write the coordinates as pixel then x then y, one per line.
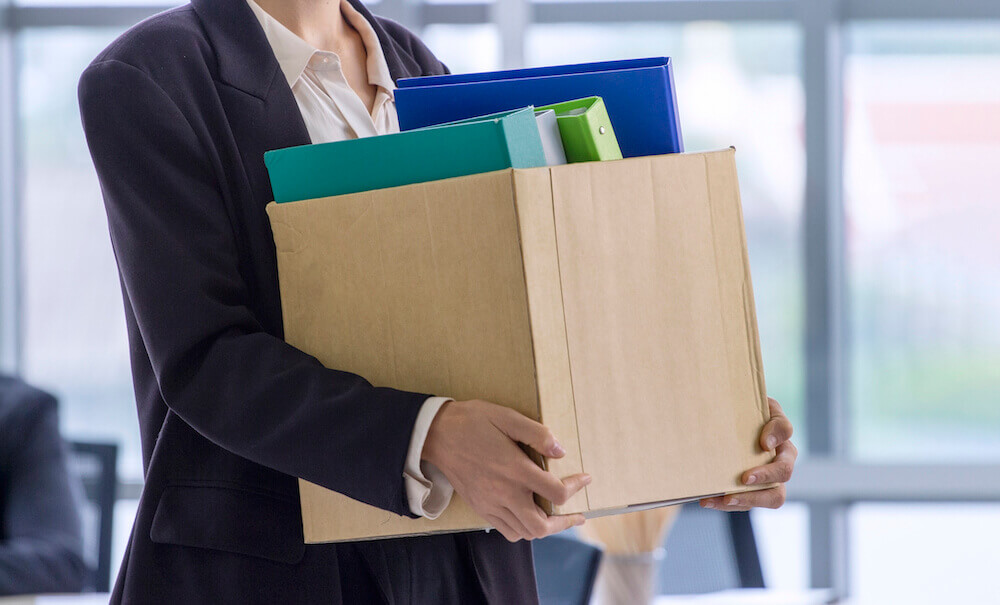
pixel 707 551
pixel 565 570
pixel 96 466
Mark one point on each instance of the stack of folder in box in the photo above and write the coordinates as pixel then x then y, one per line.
pixel 497 285
pixel 458 125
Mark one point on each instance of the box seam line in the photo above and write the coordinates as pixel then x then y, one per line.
pixel 527 297
pixel 527 300
pixel 569 360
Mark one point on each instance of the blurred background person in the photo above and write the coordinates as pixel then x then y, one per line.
pixel 41 547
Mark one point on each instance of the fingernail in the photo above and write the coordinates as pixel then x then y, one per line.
pixel 771 442
pixel 733 502
pixel 751 479
pixel 580 522
pixel 709 504
pixel 557 450
pixel 587 479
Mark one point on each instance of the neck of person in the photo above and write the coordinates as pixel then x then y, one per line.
pixel 318 22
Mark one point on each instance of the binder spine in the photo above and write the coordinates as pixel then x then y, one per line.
pixel 592 134
pixel 506 142
pixel 578 142
pixel 523 143
pixel 673 113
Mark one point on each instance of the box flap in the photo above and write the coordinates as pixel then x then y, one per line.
pixel 533 200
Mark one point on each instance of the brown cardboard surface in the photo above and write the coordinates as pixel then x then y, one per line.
pixel 533 200
pixel 653 297
pixel 611 300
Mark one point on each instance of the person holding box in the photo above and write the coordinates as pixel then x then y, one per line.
pixel 178 113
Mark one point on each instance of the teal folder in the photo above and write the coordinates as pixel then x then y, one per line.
pixel 429 154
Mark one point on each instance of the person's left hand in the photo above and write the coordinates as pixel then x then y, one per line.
pixel 775 436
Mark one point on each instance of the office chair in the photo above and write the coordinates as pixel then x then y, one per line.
pixel 707 551
pixel 565 570
pixel 96 466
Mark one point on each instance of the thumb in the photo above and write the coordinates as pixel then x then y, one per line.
pixel 535 435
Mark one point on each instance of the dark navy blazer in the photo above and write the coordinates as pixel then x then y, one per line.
pixel 178 113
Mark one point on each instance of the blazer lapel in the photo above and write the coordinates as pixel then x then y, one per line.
pixel 247 64
pixel 245 58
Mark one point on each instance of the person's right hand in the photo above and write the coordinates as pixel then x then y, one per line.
pixel 474 443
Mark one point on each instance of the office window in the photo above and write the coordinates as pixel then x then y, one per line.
pixel 782 538
pixel 74 324
pixel 736 85
pixel 922 151
pixel 924 553
pixel 464 48
pixel 125 511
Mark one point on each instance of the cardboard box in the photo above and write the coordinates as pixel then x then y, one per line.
pixel 610 300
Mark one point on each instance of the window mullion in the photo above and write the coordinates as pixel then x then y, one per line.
pixel 10 179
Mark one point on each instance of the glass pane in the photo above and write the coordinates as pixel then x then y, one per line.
pixel 924 554
pixel 121 531
pixel 464 48
pixel 75 340
pixel 782 538
pixel 736 85
pixel 923 146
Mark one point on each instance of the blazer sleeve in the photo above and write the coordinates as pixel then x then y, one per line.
pixel 41 548
pixel 240 387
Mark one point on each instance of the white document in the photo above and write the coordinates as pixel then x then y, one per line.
pixel 548 129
